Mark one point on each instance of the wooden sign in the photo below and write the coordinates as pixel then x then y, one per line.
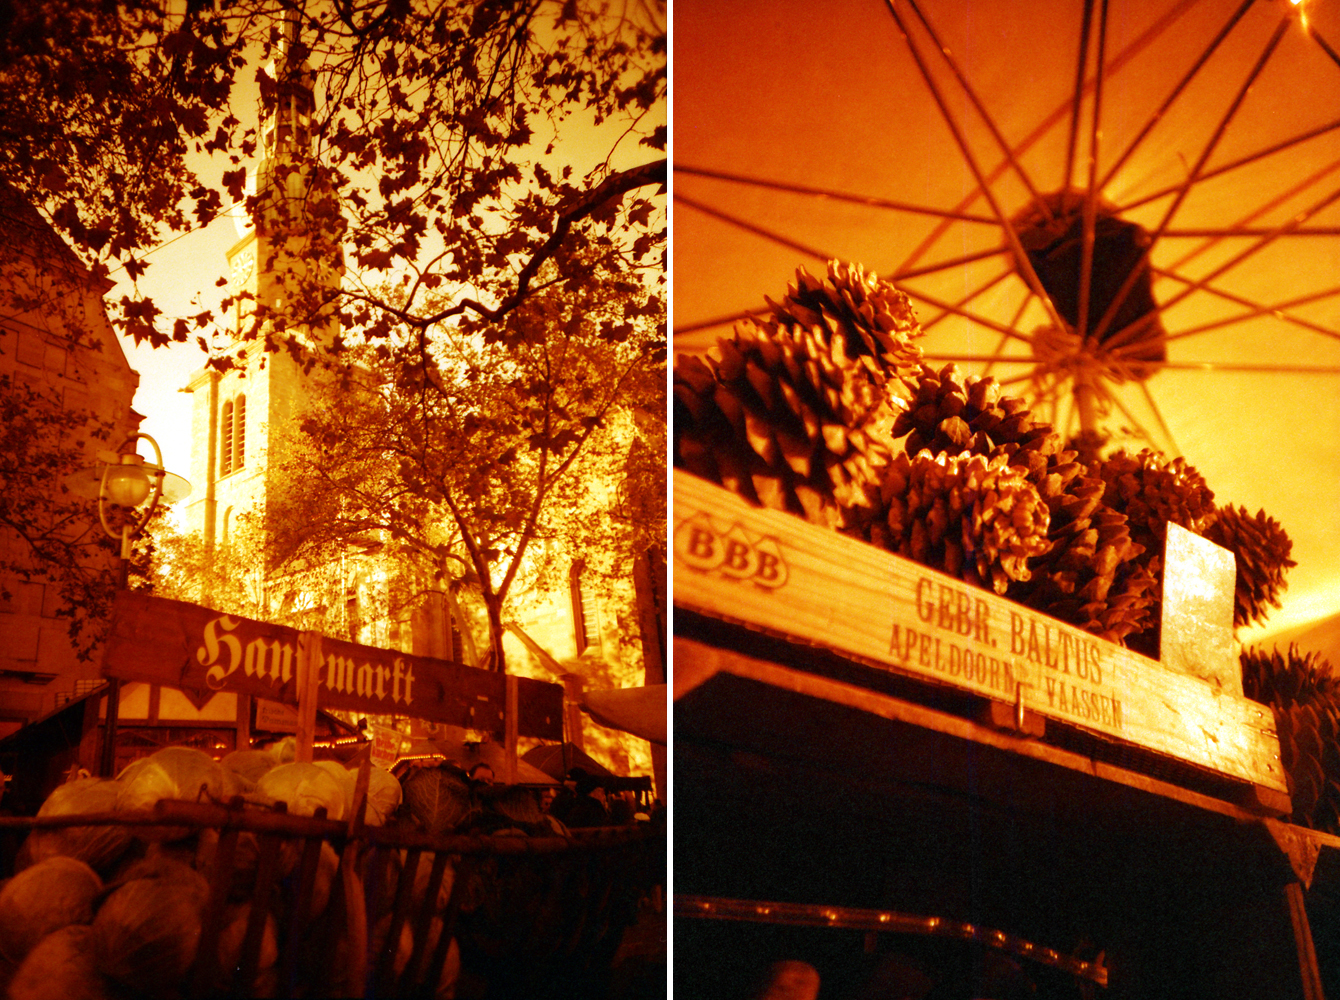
pixel 386 745
pixel 275 717
pixel 773 570
pixel 202 651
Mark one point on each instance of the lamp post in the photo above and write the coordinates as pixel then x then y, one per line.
pixel 127 482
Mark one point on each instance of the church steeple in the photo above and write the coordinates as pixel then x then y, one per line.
pixel 288 103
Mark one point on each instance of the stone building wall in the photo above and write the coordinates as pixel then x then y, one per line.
pixel 55 338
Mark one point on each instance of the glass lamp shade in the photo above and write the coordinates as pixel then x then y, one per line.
pixel 127 485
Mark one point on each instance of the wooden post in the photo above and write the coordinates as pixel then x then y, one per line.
pixel 309 669
pixel 1302 934
pixel 572 709
pixel 510 729
pixel 243 739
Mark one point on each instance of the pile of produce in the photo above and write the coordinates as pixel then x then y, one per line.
pixel 118 911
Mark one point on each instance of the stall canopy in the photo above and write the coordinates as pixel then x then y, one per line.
pixel 640 711
pixel 557 759
pixel 942 144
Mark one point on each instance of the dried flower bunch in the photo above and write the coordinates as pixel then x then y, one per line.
pixel 1305 694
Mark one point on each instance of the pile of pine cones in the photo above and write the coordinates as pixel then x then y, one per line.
pixel 826 409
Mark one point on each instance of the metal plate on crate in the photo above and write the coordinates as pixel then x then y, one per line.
pixel 774 571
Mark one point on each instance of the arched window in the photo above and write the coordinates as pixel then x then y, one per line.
pixel 227 523
pixel 226 444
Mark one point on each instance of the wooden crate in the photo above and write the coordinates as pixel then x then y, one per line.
pixel 775 572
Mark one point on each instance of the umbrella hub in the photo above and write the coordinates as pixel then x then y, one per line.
pixel 1123 333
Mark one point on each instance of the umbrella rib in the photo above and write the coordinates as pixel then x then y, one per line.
pixel 1314 178
pixel 1013 323
pixel 981 358
pixel 1231 231
pixel 1261 244
pixel 1158 415
pixel 1312 32
pixel 1243 161
pixel 949 265
pixel 995 355
pixel 969 297
pixel 1132 50
pixel 953 65
pixel 1081 64
pixel 1129 283
pixel 1091 192
pixel 707 324
pixel 1182 84
pixel 1138 427
pixel 950 307
pixel 855 199
pixel 1256 309
pixel 1230 366
pixel 1118 343
pixel 1021 258
pixel 750 227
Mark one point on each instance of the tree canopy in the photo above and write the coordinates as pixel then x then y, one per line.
pixel 471 448
pixel 463 166
pixel 464 144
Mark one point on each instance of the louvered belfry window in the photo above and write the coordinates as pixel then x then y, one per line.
pixel 226 444
pixel 239 432
pixel 233 443
pixel 232 447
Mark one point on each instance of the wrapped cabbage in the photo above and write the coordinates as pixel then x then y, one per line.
pixel 438 800
pixel 99 846
pixel 250 764
pixel 146 932
pixel 231 939
pixel 52 894
pixel 170 773
pixel 384 794
pixel 304 787
pixel 61 967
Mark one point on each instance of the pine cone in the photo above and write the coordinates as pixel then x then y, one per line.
pixel 1152 490
pixel 1261 548
pixel 1090 549
pixel 871 314
pixel 977 519
pixel 1305 696
pixel 796 415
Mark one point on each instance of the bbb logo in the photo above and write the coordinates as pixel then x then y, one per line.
pixel 731 553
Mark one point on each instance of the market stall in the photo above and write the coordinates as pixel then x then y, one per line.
pixel 909 785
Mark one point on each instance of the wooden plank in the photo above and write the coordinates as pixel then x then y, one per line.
pixel 774 571
pixel 712 661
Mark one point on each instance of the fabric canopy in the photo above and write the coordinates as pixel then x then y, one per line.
pixel 557 759
pixel 640 711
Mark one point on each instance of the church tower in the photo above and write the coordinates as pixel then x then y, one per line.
pixel 284 274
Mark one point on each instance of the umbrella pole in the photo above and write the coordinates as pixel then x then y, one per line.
pixel 1085 402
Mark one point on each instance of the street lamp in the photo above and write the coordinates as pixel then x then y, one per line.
pixel 128 481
